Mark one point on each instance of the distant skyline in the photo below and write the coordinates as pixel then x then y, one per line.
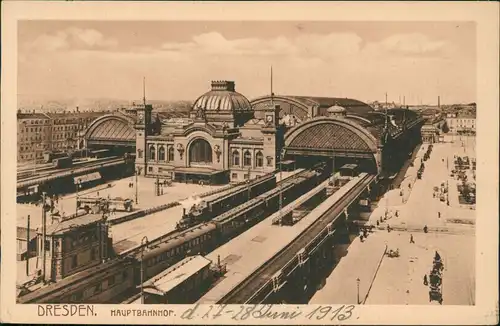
pixel 361 60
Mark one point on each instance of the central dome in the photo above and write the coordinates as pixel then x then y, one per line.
pixel 222 99
pixel 335 109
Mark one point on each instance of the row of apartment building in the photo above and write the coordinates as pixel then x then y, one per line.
pixel 463 121
pixel 41 132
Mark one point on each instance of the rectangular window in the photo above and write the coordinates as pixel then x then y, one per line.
pixel 74 261
pixel 234 176
pixel 150 169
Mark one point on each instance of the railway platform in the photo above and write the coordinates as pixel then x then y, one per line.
pixel 119 188
pixel 129 235
pixel 246 254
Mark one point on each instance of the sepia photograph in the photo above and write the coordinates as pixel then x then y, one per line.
pixel 313 163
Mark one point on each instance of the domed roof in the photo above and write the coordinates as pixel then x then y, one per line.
pixel 222 97
pixel 335 109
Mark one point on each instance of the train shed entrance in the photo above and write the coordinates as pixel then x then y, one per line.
pixel 331 139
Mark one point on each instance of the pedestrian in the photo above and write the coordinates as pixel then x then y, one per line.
pixel 437 257
pixel 411 238
pixel 425 280
pixel 162 191
pixel 439 214
pixel 425 229
pixel 378 223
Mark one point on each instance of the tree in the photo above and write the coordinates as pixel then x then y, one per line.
pixel 445 128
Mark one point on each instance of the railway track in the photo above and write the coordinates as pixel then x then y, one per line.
pixel 76 164
pixel 246 290
pixel 68 171
pixel 178 233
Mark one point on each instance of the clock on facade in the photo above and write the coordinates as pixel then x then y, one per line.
pixel 269 118
pixel 140 116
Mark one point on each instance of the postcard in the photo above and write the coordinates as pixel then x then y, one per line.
pixel 250 163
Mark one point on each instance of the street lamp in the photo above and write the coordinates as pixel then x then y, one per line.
pixel 78 185
pixel 142 266
pixel 137 172
pixel 357 281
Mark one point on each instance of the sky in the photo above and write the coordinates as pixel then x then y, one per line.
pixel 361 60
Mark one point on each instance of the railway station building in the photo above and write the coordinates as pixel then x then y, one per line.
pixel 73 244
pixel 227 138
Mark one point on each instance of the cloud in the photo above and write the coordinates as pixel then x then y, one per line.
pixel 408 45
pixel 72 39
pixel 317 64
pixel 308 45
pixel 325 47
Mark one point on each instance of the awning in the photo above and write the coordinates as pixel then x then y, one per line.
pixel 87 178
pixel 197 170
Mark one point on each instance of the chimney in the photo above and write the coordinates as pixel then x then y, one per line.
pixel 439 102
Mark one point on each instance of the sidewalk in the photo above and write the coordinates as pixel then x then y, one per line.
pixel 362 261
pixel 400 280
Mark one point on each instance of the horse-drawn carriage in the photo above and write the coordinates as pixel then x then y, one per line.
pixel 435 294
pixel 392 253
pixel 436 280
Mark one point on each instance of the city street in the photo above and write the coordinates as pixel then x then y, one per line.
pixel 400 280
pixel 421 208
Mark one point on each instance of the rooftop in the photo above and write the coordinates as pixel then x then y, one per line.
pixel 222 97
pixel 72 223
pixel 34 115
pixel 176 274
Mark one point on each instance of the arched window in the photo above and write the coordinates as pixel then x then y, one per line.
pixel 161 153
pixel 247 158
pixel 236 158
pixel 152 153
pixel 259 160
pixel 200 151
pixel 170 154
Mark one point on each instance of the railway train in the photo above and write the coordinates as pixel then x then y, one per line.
pixel 50 156
pixel 112 280
pixel 205 211
pixel 62 162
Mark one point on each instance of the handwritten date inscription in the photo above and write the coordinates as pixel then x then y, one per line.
pixel 271 312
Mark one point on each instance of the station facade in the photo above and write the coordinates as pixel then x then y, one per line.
pixel 227 138
pixel 220 141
